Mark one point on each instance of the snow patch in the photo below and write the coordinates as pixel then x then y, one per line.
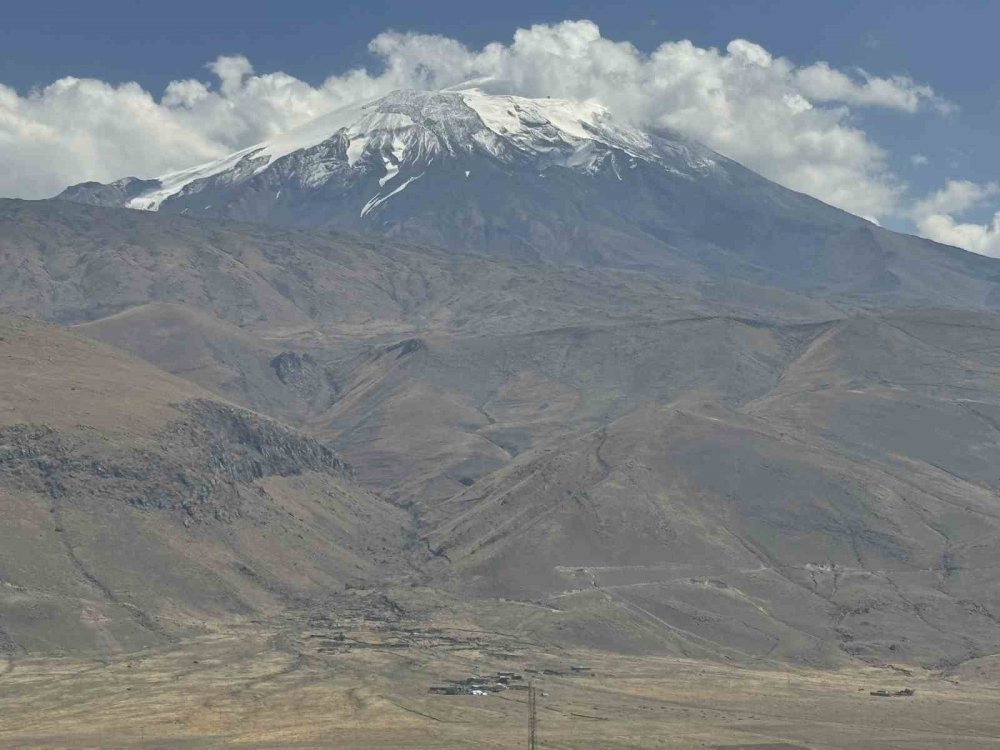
pixel 355 149
pixel 391 170
pixel 508 115
pixel 360 118
pixel 379 199
pixel 392 165
pixel 174 182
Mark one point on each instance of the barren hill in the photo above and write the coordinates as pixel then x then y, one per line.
pixel 138 507
pixel 699 467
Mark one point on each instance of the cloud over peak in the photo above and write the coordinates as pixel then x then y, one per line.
pixel 791 123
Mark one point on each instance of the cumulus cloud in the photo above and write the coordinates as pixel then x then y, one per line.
pixel 76 130
pixel 791 123
pixel 822 83
pixel 938 217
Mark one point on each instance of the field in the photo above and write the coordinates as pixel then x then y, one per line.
pixel 316 682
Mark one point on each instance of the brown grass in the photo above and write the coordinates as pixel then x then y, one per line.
pixel 259 687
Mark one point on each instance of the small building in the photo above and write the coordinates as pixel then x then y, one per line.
pixel 449 690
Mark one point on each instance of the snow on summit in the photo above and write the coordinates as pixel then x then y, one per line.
pixel 531 179
pixel 395 138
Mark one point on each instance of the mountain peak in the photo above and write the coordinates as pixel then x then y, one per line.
pixel 539 180
pixel 405 131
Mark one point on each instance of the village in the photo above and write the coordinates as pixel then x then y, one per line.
pixel 501 681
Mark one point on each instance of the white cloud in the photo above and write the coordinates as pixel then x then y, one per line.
pixel 938 217
pixel 822 83
pixel 956 197
pixel 79 129
pixel 919 160
pixel 793 124
pixel 743 101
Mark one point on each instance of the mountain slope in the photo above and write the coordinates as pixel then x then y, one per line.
pixel 555 181
pixel 540 350
pixel 707 467
pixel 137 507
pixel 853 507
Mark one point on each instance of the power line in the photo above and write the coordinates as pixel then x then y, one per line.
pixel 532 719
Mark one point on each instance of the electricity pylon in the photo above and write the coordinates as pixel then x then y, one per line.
pixel 532 719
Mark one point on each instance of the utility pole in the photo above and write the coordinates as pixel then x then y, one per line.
pixel 532 719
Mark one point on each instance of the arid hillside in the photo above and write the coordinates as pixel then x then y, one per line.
pixel 707 469
pixel 138 508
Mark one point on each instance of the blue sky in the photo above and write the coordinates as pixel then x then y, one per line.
pixel 943 45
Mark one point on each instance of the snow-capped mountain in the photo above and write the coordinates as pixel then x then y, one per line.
pixel 397 138
pixel 545 180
